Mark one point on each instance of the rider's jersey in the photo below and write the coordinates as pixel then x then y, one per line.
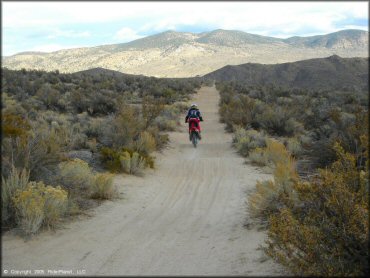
pixel 193 113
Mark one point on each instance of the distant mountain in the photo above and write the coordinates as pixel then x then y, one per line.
pixel 177 54
pixel 333 72
pixel 341 39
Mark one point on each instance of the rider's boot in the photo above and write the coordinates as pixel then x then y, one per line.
pixel 200 136
pixel 189 136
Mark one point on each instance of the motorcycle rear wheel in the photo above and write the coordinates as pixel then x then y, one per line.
pixel 194 139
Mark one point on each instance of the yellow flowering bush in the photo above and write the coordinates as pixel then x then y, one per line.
pixel 273 153
pixel 29 205
pixel 55 204
pixel 39 205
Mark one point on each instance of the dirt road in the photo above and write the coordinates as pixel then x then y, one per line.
pixel 184 218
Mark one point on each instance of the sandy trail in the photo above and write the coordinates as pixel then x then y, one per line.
pixel 184 218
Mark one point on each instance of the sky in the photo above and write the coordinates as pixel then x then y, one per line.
pixel 51 26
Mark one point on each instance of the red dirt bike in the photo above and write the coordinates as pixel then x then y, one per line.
pixel 194 131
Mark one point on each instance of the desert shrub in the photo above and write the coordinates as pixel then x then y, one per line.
pixel 38 205
pixel 132 163
pixel 14 125
pixel 94 127
pixel 39 152
pixel 293 127
pixel 273 153
pixel 161 139
pixel 125 160
pixel 103 187
pixel 247 140
pixel 125 127
pixel 294 147
pixel 17 180
pixel 111 159
pixel 258 157
pixel 276 152
pixel 76 176
pixel 327 234
pixel 151 109
pixel 137 164
pixel 55 205
pixel 145 144
pixel 274 120
pixel 29 207
pixel 270 196
pixel 165 124
pixel 168 118
pixel 237 110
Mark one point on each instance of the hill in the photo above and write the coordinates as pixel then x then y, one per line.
pixel 179 54
pixel 329 73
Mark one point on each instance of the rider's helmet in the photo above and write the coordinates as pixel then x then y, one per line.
pixel 194 105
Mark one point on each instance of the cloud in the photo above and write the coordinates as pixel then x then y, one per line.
pixel 171 14
pixel 289 18
pixel 94 23
pixel 126 34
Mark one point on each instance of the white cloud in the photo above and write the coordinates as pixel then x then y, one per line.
pixel 264 18
pixel 268 17
pixel 126 34
pixel 227 14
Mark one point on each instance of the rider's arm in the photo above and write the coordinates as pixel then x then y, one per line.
pixel 200 116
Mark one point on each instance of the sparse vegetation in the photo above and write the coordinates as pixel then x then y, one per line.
pixel 317 217
pixel 326 232
pixel 64 129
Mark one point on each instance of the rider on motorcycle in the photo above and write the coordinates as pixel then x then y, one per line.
pixel 194 113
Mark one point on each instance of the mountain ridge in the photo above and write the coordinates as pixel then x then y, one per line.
pixel 185 54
